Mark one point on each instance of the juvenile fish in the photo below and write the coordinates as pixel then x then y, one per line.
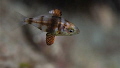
pixel 54 25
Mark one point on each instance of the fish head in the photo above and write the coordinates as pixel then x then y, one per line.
pixel 68 28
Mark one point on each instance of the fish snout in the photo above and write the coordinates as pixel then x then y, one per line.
pixel 78 31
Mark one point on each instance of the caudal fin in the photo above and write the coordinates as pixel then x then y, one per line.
pixel 16 21
pixel 22 19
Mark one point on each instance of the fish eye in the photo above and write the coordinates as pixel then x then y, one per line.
pixel 71 30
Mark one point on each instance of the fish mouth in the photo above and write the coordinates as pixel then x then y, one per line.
pixel 78 31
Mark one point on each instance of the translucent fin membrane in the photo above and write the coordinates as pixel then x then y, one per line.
pixel 49 39
pixel 13 21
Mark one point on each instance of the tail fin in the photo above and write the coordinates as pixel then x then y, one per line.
pixel 17 21
pixel 23 20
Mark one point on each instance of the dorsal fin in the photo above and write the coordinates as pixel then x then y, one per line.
pixel 56 12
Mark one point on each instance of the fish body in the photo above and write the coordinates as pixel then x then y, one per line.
pixel 54 25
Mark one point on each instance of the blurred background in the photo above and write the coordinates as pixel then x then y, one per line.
pixel 97 45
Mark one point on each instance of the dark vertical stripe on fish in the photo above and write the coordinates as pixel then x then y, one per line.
pixel 30 20
pixel 59 25
pixel 41 19
pixel 53 24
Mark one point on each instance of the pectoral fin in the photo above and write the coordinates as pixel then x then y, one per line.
pixel 49 39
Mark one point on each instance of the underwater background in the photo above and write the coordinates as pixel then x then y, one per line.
pixel 97 45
